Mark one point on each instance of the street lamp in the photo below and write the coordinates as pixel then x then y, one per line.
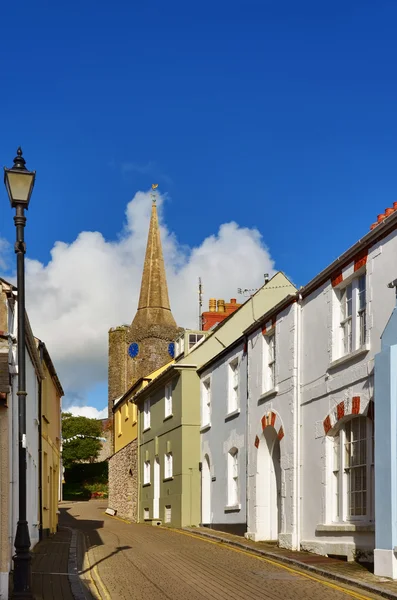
pixel 19 184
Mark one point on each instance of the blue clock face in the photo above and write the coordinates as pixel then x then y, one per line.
pixel 133 350
pixel 171 349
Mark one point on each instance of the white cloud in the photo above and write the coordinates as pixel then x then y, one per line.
pixel 93 284
pixel 87 411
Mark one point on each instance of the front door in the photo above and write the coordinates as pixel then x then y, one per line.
pixel 156 490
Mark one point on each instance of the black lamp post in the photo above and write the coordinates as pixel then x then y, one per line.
pixel 19 183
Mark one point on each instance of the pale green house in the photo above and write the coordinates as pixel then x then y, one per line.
pixel 169 415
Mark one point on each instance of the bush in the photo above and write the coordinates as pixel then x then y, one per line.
pixel 87 472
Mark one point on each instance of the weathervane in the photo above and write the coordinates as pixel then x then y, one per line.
pixel 153 194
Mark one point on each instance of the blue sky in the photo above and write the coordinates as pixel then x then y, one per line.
pixel 280 116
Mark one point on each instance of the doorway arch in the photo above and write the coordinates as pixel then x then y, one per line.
pixel 268 486
pixel 206 491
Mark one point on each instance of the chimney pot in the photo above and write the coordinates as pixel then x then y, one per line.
pixel 233 301
pixel 381 218
pixel 212 305
pixel 221 306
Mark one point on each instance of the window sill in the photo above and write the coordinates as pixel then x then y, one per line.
pixel 348 357
pixel 205 428
pixel 232 414
pixel 168 417
pixel 146 484
pixel 346 527
pixel 268 394
pixel 168 479
pixel 146 429
pixel 234 508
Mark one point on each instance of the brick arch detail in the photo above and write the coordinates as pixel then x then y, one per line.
pixel 270 419
pixel 350 406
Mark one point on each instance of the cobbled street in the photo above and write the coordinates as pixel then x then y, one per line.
pixel 129 561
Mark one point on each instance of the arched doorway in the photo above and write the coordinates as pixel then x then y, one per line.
pixel 206 492
pixel 268 487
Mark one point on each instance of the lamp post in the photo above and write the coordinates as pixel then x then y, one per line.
pixel 19 184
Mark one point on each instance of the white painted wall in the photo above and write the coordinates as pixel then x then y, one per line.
pixel 260 404
pixel 226 432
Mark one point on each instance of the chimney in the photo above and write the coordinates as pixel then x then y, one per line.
pixel 221 306
pixel 212 306
pixel 233 301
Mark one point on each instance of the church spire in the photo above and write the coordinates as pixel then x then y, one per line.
pixel 154 305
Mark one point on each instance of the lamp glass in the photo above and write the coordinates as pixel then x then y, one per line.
pixel 19 185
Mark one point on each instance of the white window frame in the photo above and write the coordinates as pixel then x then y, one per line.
pixel 233 488
pixel 168 465
pixel 146 472
pixel 342 472
pixel 168 400
pixel 269 361
pixel 206 402
pixel 233 403
pixel 351 316
pixel 146 414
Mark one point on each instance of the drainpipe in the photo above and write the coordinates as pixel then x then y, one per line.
pixel 297 420
pixel 40 452
pixel 246 431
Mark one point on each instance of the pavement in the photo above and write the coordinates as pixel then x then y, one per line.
pixel 95 556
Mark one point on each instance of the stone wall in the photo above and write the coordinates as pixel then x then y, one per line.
pixel 123 482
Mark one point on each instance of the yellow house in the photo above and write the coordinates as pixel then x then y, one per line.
pixel 123 464
pixel 49 444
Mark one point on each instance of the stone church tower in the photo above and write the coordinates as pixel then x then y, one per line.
pixel 145 345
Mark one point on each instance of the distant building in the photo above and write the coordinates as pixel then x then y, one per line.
pixel 135 351
pixel 218 311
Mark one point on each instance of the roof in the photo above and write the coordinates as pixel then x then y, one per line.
pixel 50 366
pixel 174 366
pixel 138 385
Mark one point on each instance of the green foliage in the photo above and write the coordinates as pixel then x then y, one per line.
pixel 87 472
pixel 81 449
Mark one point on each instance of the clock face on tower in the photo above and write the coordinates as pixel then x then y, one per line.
pixel 133 350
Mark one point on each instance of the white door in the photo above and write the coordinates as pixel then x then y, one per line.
pixel 206 492
pixel 156 490
pixel 268 487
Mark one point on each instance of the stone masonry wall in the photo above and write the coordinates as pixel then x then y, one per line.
pixel 123 482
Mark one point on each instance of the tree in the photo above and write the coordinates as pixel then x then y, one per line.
pixel 81 449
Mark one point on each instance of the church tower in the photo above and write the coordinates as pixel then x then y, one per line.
pixel 147 344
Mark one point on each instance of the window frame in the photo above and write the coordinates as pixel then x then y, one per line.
pixel 233 480
pixel 168 400
pixel 233 397
pixel 147 472
pixel 146 414
pixel 269 361
pixel 206 402
pixel 168 466
pixel 351 323
pixel 340 494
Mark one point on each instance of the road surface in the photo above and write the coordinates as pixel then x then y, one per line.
pixel 141 562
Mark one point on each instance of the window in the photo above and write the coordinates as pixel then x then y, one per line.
pixel 206 402
pixel 146 414
pixel 194 339
pixel 233 397
pixel 168 400
pixel 167 514
pixel 352 471
pixel 146 472
pixel 269 362
pixel 233 492
pixel 168 465
pixel 119 421
pixel 353 316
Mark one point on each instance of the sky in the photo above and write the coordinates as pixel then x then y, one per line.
pixel 269 126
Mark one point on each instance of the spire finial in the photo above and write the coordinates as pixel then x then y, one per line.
pixel 153 194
